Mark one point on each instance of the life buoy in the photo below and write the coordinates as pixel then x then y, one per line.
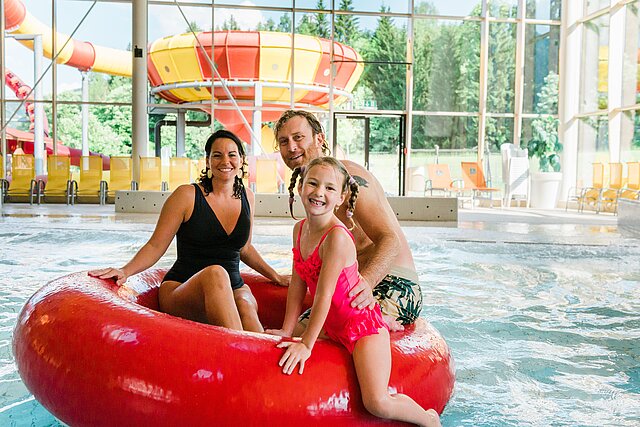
pixel 95 354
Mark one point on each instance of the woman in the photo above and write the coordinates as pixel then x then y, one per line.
pixel 212 221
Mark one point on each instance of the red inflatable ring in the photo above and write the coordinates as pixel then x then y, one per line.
pixel 95 354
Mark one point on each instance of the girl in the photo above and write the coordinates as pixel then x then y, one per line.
pixel 212 221
pixel 324 260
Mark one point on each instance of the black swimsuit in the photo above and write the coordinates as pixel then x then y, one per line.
pixel 202 241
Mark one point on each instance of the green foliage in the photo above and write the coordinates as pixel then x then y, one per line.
pixel 544 143
pixel 387 81
pixel 346 26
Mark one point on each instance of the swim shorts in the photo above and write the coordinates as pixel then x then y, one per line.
pixel 398 297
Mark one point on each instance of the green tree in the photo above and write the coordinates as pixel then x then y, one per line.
pixel 284 25
pixel 346 26
pixel 323 26
pixel 386 80
pixel 231 24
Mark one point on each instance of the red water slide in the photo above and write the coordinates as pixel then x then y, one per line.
pixel 23 91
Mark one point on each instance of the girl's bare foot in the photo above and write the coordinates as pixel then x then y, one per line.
pixel 433 419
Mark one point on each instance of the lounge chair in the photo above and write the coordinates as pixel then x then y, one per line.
pixel 440 180
pixel 59 182
pixel 591 195
pixel 474 180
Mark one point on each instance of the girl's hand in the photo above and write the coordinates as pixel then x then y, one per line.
pixel 108 273
pixel 278 332
pixel 297 352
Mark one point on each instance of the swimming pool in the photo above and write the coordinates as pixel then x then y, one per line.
pixel 543 320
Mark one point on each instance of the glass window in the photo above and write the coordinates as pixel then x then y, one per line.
pixel 503 8
pixel 396 6
pixel 595 5
pixel 449 8
pixel 498 131
pixel 446 65
pixel 630 148
pixel 313 4
pixel 544 9
pixel 593 146
pixel 271 3
pixel 447 132
pixel 501 67
pixel 595 63
pixel 541 69
pixel 382 43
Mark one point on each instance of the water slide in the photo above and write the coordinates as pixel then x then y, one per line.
pixel 247 61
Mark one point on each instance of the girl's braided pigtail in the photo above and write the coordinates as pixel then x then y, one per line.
pixel 292 185
pixel 351 204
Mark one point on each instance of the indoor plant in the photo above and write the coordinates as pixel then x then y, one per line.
pixel 544 145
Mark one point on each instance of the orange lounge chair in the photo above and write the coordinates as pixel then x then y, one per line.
pixel 440 180
pixel 474 180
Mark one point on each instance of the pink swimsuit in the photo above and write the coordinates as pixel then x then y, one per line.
pixel 344 323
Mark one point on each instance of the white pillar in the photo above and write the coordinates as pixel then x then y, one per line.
pixel 85 113
pixel 629 79
pixel 519 77
pixel 614 77
pixel 484 63
pixel 256 143
pixel 140 126
pixel 38 108
pixel 408 106
pixel 180 133
pixel 569 91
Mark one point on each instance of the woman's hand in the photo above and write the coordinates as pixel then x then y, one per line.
pixel 283 280
pixel 108 273
pixel 278 332
pixel 297 352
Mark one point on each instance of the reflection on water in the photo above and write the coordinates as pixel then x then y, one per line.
pixel 543 322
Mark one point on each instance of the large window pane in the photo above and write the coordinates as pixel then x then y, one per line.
pixel 593 146
pixel 503 8
pixel 449 8
pixel 595 62
pixel 446 65
pixel 447 132
pixel 632 153
pixel 594 5
pixel 544 9
pixel 396 6
pixel 499 130
pixel 382 42
pixel 541 69
pixel 501 68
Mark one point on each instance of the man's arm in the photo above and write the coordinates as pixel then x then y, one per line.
pixel 374 216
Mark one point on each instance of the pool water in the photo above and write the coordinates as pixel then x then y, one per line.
pixel 543 320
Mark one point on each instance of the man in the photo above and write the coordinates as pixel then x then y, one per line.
pixel 386 265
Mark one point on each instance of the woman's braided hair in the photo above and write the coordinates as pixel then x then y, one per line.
pixel 348 182
pixel 205 181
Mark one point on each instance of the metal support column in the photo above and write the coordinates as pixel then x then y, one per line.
pixel 85 113
pixel 180 133
pixel 38 108
pixel 140 125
